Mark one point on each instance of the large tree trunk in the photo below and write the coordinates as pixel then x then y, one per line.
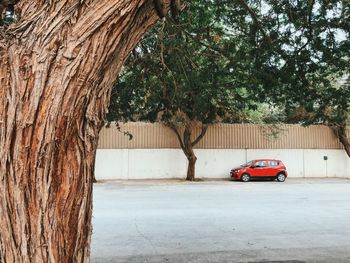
pixel 187 145
pixel 58 65
pixel 340 132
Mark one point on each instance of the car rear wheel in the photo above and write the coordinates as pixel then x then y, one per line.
pixel 245 178
pixel 281 177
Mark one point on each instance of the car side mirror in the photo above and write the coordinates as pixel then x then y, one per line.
pixel 252 166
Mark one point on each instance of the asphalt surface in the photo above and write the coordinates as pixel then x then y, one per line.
pixel 300 220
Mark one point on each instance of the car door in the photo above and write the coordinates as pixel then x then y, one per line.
pixel 271 168
pixel 260 168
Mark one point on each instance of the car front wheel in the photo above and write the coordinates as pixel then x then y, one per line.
pixel 281 177
pixel 245 178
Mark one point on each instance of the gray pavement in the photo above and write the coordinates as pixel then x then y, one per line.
pixel 301 220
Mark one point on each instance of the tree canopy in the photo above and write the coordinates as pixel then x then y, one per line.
pixel 302 61
pixel 278 52
pixel 183 70
pixel 185 74
pixel 222 61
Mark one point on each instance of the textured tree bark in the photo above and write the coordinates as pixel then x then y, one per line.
pixel 340 132
pixel 187 145
pixel 58 66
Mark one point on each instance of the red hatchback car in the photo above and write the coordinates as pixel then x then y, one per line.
pixel 259 169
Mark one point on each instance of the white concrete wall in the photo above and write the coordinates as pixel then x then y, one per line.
pixel 139 163
pixel 214 163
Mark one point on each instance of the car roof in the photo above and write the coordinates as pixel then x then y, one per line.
pixel 267 160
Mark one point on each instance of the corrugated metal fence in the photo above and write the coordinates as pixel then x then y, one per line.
pixel 222 136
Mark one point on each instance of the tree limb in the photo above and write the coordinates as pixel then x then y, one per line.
pixel 159 6
pixel 175 7
pixel 256 20
pixel 340 131
pixel 309 26
pixel 201 135
pixel 173 127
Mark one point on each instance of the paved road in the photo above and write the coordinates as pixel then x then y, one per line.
pixel 221 221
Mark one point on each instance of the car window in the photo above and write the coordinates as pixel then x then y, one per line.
pixel 273 163
pixel 247 164
pixel 260 164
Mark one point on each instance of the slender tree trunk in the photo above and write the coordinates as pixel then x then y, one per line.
pixel 58 66
pixel 187 145
pixel 188 150
pixel 340 132
pixel 191 167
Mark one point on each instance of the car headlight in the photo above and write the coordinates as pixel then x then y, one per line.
pixel 237 171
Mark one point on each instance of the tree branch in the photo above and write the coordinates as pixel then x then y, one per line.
pixel 175 8
pixel 159 6
pixel 217 50
pixel 340 131
pixel 174 129
pixel 201 135
pixel 255 19
pixel 309 26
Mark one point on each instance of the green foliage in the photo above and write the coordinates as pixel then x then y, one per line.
pixel 188 71
pixel 303 63
pixel 267 114
pixel 225 59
